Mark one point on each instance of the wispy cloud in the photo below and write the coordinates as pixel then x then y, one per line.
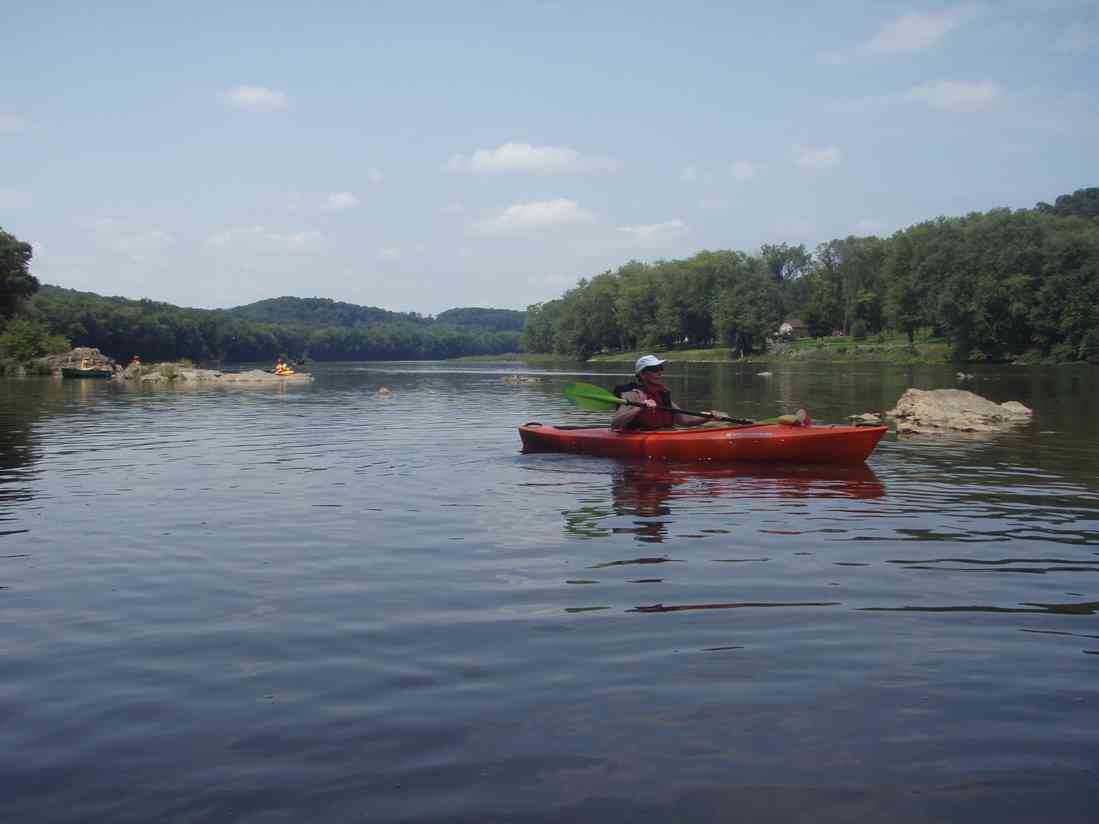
pixel 689 174
pixel 655 232
pixel 956 95
pixel 808 157
pixel 523 157
pixel 916 32
pixel 259 239
pixel 908 34
pixel 255 98
pixel 339 201
pixel 390 253
pixel 540 214
pixel 745 170
pixel 374 175
pixel 11 123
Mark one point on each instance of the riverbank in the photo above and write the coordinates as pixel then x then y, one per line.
pixel 878 349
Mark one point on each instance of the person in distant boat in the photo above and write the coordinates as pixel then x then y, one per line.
pixel 650 391
pixel 135 361
pixel 281 368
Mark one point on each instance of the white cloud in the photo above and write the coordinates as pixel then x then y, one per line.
pixel 259 239
pixel 523 157
pixel 390 253
pixel 1076 39
pixel 956 95
pixel 655 232
pixel 744 170
pixel 11 123
pixel 256 98
pixel 534 215
pixel 374 175
pixel 811 158
pixel 916 32
pixel 339 201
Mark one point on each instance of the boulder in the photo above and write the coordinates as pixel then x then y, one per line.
pixel 939 410
pixel 74 357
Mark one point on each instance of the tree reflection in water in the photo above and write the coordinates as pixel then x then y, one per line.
pixel 658 494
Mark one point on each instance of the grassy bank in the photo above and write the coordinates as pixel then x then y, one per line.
pixel 879 349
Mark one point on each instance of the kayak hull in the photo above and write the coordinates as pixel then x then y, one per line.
pixel 761 443
pixel 75 372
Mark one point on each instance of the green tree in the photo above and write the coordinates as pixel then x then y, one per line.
pixel 16 282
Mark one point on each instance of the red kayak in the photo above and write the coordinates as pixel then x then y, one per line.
pixel 762 443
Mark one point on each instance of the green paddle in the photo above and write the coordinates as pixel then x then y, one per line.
pixel 597 399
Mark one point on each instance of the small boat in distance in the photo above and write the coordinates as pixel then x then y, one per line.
pixel 85 370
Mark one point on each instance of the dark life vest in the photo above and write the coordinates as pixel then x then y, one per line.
pixel 648 418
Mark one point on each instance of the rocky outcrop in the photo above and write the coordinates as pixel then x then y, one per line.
pixel 940 410
pixel 87 355
pixel 175 374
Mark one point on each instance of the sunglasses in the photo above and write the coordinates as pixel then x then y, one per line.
pixel 653 369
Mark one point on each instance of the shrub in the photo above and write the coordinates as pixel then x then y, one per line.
pixel 169 371
pixel 858 329
pixel 22 340
pixel 1089 346
pixel 186 363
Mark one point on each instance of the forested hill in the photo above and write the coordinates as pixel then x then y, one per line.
pixel 498 320
pixel 318 312
pixel 293 327
pixel 998 285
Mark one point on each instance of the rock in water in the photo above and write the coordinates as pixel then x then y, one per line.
pixel 936 410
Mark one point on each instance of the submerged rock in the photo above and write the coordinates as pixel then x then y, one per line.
pixel 937 410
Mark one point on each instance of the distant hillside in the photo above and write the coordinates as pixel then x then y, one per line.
pixel 292 327
pixel 495 320
pixel 317 312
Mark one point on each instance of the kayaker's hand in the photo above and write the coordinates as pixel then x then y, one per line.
pixel 717 413
pixel 650 402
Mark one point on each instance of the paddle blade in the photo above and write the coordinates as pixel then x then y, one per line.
pixel 591 397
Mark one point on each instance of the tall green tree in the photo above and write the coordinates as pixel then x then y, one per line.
pixel 16 281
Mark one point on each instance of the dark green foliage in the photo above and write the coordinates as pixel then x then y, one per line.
pixel 24 339
pixel 495 320
pixel 996 285
pixel 16 282
pixel 306 327
pixel 1081 203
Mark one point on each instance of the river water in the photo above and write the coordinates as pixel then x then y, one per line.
pixel 320 603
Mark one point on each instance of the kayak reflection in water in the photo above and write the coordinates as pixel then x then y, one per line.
pixel 653 394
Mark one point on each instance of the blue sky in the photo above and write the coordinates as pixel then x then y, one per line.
pixel 420 156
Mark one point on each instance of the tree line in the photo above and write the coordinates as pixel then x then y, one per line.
pixel 36 320
pixel 996 284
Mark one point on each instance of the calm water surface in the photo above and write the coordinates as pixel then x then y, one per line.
pixel 317 603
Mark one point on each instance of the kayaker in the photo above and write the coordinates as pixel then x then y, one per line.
pixel 649 390
pixel 282 369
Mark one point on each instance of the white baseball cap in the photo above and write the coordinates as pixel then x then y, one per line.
pixel 645 361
